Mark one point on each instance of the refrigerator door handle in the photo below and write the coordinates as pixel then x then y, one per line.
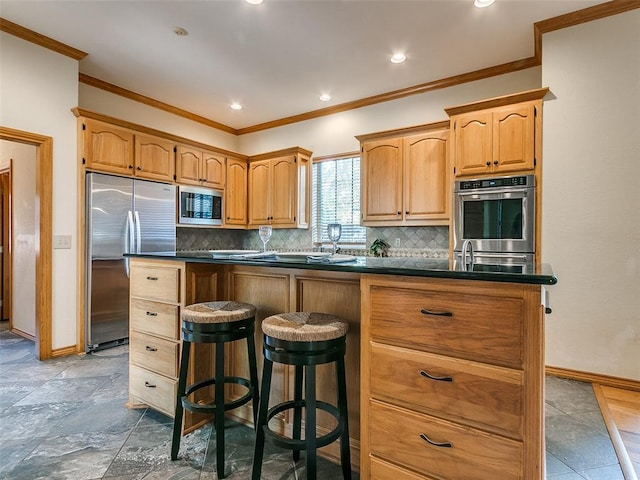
pixel 138 235
pixel 130 240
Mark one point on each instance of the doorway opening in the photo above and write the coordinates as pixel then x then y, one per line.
pixel 43 235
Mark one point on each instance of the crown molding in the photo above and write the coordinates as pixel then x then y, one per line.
pixel 123 92
pixel 39 39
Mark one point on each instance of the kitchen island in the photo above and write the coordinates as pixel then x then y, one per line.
pixel 445 366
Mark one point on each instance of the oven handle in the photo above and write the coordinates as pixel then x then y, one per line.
pixel 494 191
pixel 496 255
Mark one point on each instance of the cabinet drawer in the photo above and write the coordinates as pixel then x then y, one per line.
pixel 400 435
pixel 385 471
pixel 156 283
pixel 484 394
pixel 155 390
pixel 157 318
pixel 154 353
pixel 484 328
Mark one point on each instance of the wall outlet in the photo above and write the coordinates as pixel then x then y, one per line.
pixel 62 241
pixel 396 243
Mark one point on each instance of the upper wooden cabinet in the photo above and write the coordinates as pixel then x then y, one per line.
pixel 499 135
pixel 154 158
pixel 118 150
pixel 107 147
pixel 405 179
pixel 236 194
pixel 279 186
pixel 198 167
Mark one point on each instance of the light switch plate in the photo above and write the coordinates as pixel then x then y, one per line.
pixel 62 241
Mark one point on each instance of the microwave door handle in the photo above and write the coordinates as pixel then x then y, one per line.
pixel 138 236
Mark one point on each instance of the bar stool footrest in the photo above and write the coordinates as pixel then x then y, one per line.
pixel 295 444
pixel 211 408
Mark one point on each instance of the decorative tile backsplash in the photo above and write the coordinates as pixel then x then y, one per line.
pixel 428 242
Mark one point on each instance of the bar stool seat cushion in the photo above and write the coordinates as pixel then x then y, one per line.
pixel 218 312
pixel 304 327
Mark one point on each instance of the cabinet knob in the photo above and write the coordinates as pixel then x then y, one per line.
pixel 138 168
pixel 407 212
pixel 488 164
pixel 399 213
pixel 495 162
pixel 131 166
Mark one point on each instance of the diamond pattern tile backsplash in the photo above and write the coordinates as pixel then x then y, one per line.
pixel 429 242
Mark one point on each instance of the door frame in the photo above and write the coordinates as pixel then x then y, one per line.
pixel 44 234
pixel 5 181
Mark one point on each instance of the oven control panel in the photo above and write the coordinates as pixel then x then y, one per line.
pixel 479 184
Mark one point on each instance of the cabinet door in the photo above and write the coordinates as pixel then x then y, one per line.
pixel 155 158
pixel 381 169
pixel 283 191
pixel 188 161
pixel 213 169
pixel 426 178
pixel 513 138
pixel 259 186
pixel 472 143
pixel 236 193
pixel 107 148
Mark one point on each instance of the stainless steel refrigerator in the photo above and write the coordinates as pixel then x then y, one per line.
pixel 123 215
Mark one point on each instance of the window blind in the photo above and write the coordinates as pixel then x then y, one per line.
pixel 336 199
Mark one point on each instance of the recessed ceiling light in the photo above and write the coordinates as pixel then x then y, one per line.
pixel 398 58
pixel 483 3
pixel 325 97
pixel 235 106
pixel 254 2
pixel 181 32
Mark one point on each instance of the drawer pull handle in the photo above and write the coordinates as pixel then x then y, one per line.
pixel 152 314
pixel 151 349
pixel 433 377
pixel 152 278
pixel 424 311
pixel 436 444
pixel 149 385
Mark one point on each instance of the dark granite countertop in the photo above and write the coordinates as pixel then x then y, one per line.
pixel 540 274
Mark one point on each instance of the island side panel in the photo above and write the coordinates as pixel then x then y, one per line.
pixel 338 294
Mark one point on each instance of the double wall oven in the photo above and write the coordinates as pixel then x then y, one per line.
pixel 497 217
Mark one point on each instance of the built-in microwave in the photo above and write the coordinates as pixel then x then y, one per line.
pixel 199 206
pixel 497 215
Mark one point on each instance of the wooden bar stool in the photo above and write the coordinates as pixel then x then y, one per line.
pixel 218 323
pixel 304 340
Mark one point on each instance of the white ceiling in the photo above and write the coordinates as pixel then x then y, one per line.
pixel 278 57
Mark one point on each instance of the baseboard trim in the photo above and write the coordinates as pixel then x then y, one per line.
pixel 618 445
pixel 65 351
pixel 22 334
pixel 608 380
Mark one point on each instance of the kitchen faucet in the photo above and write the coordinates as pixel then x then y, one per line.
pixel 467 245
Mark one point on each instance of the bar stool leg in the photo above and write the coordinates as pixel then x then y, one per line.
pixel 258 452
pixel 345 450
pixel 297 411
pixel 253 375
pixel 310 421
pixel 219 414
pixel 182 385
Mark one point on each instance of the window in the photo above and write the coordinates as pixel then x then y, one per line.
pixel 336 199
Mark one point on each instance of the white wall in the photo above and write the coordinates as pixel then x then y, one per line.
pixel 22 158
pixel 38 89
pixel 591 195
pixel 335 133
pixel 101 101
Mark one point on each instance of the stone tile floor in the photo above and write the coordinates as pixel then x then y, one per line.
pixel 65 419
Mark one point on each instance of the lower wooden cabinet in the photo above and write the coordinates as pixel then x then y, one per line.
pixel 453 383
pixel 158 292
